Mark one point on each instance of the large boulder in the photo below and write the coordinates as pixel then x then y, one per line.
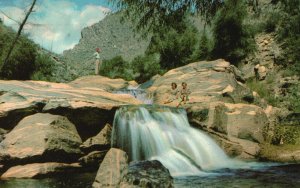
pixel 112 169
pixel 40 170
pixel 41 138
pixel 242 121
pixel 238 128
pixel 147 174
pixel 208 81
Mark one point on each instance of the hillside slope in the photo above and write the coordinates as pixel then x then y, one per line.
pixel 113 36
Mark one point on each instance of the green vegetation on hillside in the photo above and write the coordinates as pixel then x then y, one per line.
pixel 181 43
pixel 289 34
pixel 233 39
pixel 141 69
pixel 26 61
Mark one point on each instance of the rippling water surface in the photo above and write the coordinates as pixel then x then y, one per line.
pixel 286 176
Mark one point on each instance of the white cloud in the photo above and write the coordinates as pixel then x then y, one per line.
pixel 56 24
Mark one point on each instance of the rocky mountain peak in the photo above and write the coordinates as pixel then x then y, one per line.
pixel 114 35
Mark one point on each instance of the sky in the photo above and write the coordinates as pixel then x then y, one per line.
pixel 55 24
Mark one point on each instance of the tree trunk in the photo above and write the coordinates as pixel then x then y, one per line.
pixel 18 34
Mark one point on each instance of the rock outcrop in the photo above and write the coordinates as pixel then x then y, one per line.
pixel 267 55
pixel 218 104
pixel 43 122
pixel 41 138
pixel 112 169
pixel 115 172
pixel 117 39
pixel 209 81
pixel 87 102
pixel 147 174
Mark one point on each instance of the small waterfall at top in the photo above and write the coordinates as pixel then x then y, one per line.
pixel 138 93
pixel 154 132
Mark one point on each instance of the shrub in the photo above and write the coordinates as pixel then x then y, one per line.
pixel 174 45
pixel 233 39
pixel 204 48
pixel 271 22
pixel 116 67
pixel 44 67
pixel 263 90
pixel 286 134
pixel 21 64
pixel 293 98
pixel 145 67
pixel 289 34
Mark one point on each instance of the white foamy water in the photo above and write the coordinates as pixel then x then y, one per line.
pixel 164 134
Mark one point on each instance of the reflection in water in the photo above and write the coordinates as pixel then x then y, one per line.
pixel 82 180
pixel 265 176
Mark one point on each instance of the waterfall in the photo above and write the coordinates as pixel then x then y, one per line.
pixel 162 133
pixel 139 94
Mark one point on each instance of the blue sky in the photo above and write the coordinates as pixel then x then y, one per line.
pixel 55 24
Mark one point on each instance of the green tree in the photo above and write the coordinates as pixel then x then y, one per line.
pixel 44 67
pixel 13 44
pixel 203 50
pixel 21 63
pixel 175 45
pixel 116 67
pixel 289 33
pixel 233 39
pixel 151 14
pixel 145 67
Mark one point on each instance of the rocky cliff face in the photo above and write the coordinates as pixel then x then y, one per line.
pixel 113 36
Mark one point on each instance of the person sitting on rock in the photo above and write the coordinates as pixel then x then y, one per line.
pixel 184 94
pixel 174 93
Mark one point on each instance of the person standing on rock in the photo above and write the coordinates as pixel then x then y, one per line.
pixel 98 62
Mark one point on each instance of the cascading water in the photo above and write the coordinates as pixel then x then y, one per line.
pixel 139 94
pixel 164 134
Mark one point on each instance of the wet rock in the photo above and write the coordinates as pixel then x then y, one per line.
pixel 112 169
pixel 41 138
pixel 99 142
pixel 147 174
pixel 40 170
